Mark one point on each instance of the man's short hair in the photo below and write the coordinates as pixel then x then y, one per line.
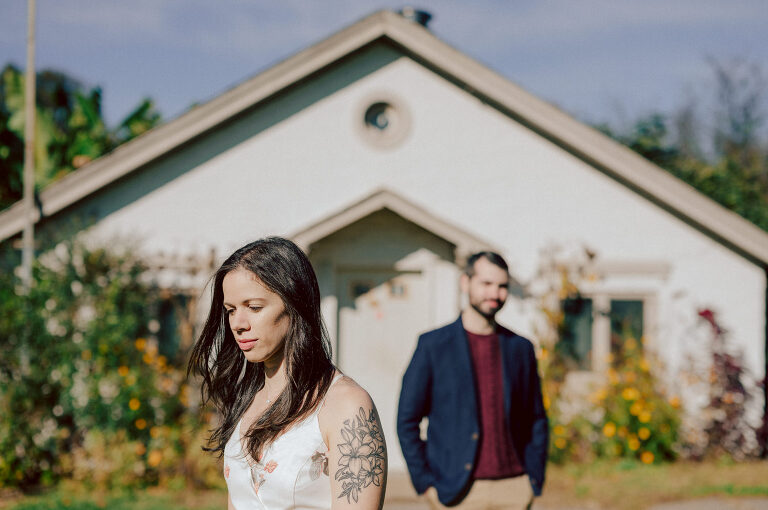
pixel 492 257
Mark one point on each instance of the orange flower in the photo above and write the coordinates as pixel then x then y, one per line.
pixel 560 442
pixel 644 433
pixel 134 404
pixel 155 456
pixel 123 370
pixel 141 423
pixel 646 457
pixel 140 343
pixel 609 430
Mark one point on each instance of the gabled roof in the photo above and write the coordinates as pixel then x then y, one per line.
pixel 588 144
pixel 465 242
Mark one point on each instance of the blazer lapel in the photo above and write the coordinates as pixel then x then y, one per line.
pixel 507 362
pixel 464 374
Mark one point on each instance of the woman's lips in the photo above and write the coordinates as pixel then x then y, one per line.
pixel 247 344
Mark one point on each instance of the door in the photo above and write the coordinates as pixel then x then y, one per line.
pixel 381 313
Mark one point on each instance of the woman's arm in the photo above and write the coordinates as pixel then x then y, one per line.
pixel 357 457
pixel 230 506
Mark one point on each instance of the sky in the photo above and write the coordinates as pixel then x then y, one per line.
pixel 602 61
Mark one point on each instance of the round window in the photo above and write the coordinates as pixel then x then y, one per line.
pixel 384 123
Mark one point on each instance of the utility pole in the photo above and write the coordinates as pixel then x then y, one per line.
pixel 28 237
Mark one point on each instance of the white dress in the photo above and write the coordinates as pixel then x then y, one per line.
pixel 291 474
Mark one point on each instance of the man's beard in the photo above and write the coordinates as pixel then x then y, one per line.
pixel 488 315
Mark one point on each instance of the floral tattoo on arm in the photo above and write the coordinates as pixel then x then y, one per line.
pixel 363 455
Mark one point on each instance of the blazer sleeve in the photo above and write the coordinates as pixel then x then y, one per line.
pixel 537 449
pixel 415 403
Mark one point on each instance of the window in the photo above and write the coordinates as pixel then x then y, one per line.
pixel 626 322
pixel 576 339
pixel 596 326
pixel 385 120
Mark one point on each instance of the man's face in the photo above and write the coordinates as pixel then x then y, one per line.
pixel 487 289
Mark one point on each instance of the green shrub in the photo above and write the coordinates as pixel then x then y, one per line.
pixel 83 388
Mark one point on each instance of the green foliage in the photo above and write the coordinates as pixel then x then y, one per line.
pixel 622 414
pixel 69 129
pixel 84 391
pixel 732 169
pixel 630 417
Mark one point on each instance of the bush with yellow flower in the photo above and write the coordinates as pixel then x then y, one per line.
pixel 84 387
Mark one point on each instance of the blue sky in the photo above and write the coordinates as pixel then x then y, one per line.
pixel 600 60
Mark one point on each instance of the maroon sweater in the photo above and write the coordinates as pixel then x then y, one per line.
pixel 496 454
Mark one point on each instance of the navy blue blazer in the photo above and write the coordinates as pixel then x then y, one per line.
pixel 439 384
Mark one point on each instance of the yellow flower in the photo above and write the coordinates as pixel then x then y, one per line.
pixel 141 449
pixel 147 358
pixel 544 354
pixel 644 417
pixel 130 379
pixel 609 430
pixel 630 343
pixel 155 456
pixel 141 423
pixel 546 402
pixel 675 402
pixel 123 370
pixel 154 432
pixel 86 354
pixel 644 433
pixel 134 404
pixel 633 443
pixel 559 430
pixel 140 343
pixel 560 442
pixel 644 366
pixel 646 457
pixel 636 408
pixel 623 432
pixel 630 394
pixel 630 377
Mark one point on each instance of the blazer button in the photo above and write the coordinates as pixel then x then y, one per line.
pixel 468 466
pixel 475 436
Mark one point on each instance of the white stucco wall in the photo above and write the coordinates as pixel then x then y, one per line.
pixel 467 163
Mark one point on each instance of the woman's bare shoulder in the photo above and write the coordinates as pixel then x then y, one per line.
pixel 347 393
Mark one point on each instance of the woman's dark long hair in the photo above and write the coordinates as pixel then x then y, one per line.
pixel 231 382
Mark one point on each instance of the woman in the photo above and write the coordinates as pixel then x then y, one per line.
pixel 294 432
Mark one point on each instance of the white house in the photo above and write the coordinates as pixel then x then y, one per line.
pixel 390 156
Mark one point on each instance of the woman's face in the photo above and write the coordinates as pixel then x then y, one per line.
pixel 256 316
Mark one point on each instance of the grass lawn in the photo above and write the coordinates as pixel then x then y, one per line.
pixel 634 486
pixel 75 498
pixel 602 485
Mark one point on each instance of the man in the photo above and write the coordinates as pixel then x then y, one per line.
pixel 478 384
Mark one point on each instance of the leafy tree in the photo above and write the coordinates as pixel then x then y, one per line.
pixel 729 161
pixel 69 128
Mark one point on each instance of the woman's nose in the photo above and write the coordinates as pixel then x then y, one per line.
pixel 238 322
